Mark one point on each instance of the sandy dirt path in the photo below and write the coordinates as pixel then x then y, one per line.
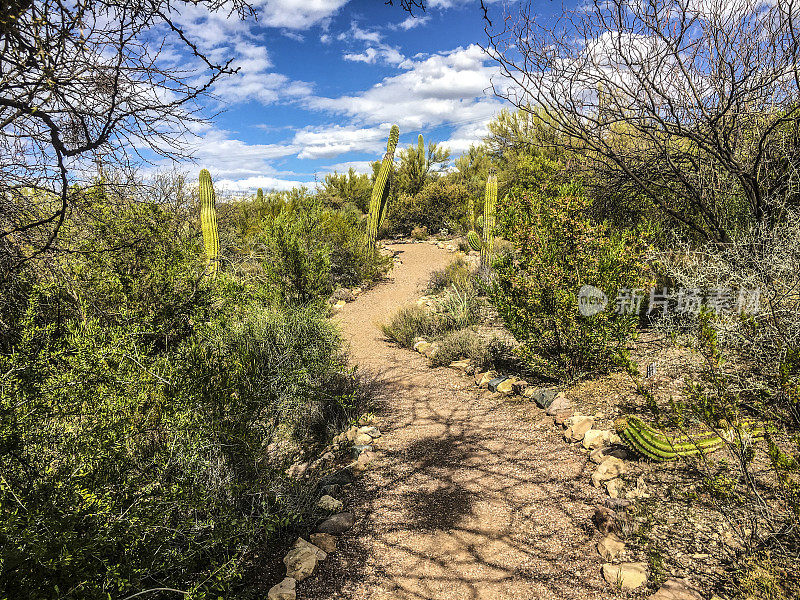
pixel 468 499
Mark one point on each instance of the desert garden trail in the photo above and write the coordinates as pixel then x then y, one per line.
pixel 468 499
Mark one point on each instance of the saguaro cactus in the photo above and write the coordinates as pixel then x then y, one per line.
pixel 488 222
pixel 260 196
pixel 659 447
pixel 208 220
pixel 380 191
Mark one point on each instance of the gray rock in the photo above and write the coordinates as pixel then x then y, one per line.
pixel 358 450
pixel 370 430
pixel 600 454
pixel 337 524
pixel 362 439
pixel 627 576
pixel 325 541
pixel 676 589
pixel 285 590
pixel 492 385
pixel 610 468
pixel 560 403
pixel 605 520
pixel 543 397
pixel 577 426
pixel 329 504
pixel 300 562
pixel 610 547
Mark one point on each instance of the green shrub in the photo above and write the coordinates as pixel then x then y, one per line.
pixel 457 274
pixel 138 403
pixel 453 310
pixel 410 322
pixel 460 344
pixel 558 249
pixel 441 204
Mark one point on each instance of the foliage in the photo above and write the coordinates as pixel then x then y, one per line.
pixel 418 167
pixel 460 344
pixel 138 401
pixel 439 205
pixel 558 250
pixel 341 189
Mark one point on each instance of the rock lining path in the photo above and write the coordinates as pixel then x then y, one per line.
pixel 468 499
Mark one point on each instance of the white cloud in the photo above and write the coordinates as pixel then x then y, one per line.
pixel 337 139
pixel 411 22
pixel 297 14
pixel 449 87
pixel 356 33
pixel 359 166
pixel 230 158
pixel 372 55
pixel 251 184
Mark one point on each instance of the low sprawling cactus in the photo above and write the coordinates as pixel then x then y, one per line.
pixel 488 221
pixel 660 447
pixel 474 240
pixel 208 220
pixel 380 191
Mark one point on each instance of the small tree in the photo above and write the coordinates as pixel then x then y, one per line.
pixel 684 103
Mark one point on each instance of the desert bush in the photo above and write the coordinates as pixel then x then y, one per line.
pixel 457 274
pixel 410 322
pixel 138 402
pixel 459 344
pixel 558 249
pixel 750 377
pixel 419 233
pixel 310 250
pixel 440 204
pixel 453 310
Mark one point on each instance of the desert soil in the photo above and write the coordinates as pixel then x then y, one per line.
pixel 468 498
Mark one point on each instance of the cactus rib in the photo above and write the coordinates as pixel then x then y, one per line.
pixel 208 220
pixel 659 447
pixel 489 204
pixel 380 191
pixel 474 240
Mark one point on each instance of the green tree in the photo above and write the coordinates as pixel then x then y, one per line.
pixel 418 166
pixel 339 189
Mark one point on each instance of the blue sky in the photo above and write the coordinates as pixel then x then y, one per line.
pixel 322 80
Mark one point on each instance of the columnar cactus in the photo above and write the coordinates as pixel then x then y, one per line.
pixel 488 221
pixel 208 220
pixel 260 196
pixel 380 191
pixel 659 447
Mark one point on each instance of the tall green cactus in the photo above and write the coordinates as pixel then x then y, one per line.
pixel 488 222
pixel 380 191
pixel 260 196
pixel 208 220
pixel 659 447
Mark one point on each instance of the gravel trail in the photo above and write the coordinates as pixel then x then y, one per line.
pixel 472 497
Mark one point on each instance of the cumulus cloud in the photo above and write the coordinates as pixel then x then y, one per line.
pixel 359 166
pixel 251 184
pixel 334 140
pixel 372 55
pixel 411 22
pixel 448 87
pixel 297 14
